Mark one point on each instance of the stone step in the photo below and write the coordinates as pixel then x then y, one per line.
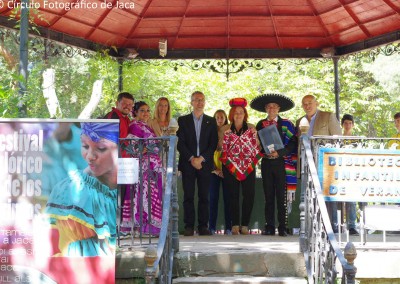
pixel 261 256
pixel 256 255
pixel 255 263
pixel 241 279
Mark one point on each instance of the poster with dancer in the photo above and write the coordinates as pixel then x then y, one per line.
pixel 58 200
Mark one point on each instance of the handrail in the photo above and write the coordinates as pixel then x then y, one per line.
pixel 159 259
pixel 317 239
pixel 168 243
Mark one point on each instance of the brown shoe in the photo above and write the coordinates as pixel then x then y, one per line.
pixel 245 230
pixel 235 230
pixel 188 232
pixel 204 232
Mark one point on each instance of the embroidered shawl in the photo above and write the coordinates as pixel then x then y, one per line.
pixel 240 154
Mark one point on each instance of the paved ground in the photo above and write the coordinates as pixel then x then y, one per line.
pixel 370 254
pixel 272 243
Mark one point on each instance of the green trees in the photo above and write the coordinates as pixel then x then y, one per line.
pixel 368 89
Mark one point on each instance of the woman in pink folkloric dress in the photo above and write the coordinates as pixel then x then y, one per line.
pixel 151 167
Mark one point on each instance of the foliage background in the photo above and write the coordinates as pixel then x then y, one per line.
pixel 369 88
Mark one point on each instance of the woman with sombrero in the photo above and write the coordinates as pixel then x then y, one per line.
pixel 277 165
pixel 240 154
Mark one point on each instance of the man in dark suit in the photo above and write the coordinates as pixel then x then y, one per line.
pixel 197 141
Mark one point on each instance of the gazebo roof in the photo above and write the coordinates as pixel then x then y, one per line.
pixel 219 28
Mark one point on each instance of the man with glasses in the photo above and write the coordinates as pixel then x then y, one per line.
pixel 277 166
pixel 198 138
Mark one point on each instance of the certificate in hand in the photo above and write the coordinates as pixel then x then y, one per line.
pixel 270 139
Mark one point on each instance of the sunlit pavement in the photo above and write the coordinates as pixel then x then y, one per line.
pixel 228 249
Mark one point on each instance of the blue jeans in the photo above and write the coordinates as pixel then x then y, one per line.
pixel 351 215
pixel 214 199
pixel 331 207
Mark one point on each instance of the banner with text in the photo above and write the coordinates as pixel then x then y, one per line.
pixel 366 175
pixel 58 200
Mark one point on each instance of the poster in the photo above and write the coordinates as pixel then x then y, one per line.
pixel 359 175
pixel 58 201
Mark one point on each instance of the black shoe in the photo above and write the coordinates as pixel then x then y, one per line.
pixel 268 232
pixel 283 233
pixel 204 232
pixel 353 232
pixel 188 232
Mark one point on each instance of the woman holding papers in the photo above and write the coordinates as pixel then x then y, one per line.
pixel 240 154
pixel 277 166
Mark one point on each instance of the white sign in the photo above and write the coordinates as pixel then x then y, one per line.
pixel 128 170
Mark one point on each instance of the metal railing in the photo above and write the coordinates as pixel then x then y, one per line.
pixel 159 258
pixel 317 239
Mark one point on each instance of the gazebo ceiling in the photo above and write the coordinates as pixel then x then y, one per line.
pixel 219 28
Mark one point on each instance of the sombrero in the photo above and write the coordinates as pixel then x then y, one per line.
pixel 260 102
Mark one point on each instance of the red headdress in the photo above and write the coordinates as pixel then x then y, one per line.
pixel 238 102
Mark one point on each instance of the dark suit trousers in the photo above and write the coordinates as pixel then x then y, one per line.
pixel 189 178
pixel 248 192
pixel 274 182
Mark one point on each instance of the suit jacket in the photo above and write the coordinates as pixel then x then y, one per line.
pixel 187 143
pixel 326 123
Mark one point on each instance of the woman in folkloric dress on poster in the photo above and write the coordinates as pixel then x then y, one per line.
pixel 83 206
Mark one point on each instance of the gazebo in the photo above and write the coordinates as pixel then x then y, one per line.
pixel 199 29
pixel 215 29
pixel 219 29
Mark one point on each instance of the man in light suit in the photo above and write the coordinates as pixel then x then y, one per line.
pixel 321 123
pixel 197 141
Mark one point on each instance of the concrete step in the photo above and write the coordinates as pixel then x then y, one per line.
pixel 262 256
pixel 239 255
pixel 241 279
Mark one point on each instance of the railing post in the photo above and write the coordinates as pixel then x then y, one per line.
pixel 302 206
pixel 174 203
pixel 350 253
pixel 150 257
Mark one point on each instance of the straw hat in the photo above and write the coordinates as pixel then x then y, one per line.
pixel 260 102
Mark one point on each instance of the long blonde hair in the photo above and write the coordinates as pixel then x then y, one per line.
pixel 156 116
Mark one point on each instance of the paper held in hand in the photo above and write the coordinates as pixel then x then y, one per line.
pixel 270 139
